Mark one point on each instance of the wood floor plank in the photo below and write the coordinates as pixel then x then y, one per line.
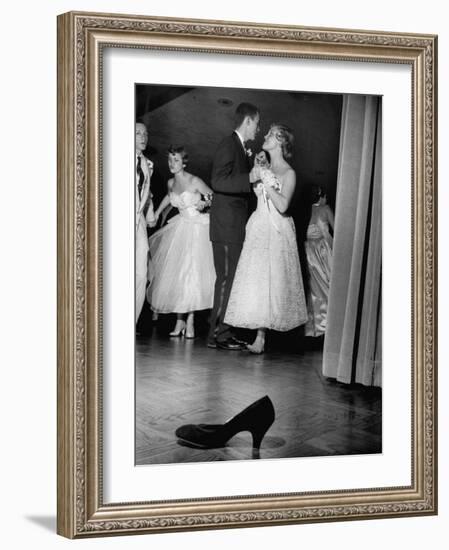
pixel 182 381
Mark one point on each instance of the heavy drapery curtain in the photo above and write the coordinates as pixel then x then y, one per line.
pixel 353 345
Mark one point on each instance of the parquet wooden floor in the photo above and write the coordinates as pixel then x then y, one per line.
pixel 182 381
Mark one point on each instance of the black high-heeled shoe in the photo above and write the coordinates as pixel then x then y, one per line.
pixel 257 419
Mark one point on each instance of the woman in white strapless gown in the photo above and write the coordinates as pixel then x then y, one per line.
pixel 183 275
pixel 267 291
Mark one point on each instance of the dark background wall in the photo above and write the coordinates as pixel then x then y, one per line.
pixel 199 118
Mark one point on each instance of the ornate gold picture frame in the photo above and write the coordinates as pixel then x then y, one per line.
pixel 82 40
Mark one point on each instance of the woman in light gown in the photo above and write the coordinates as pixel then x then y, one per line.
pixel 319 257
pixel 183 268
pixel 268 292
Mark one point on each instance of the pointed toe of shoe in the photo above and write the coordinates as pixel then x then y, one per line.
pixel 203 436
pixel 193 435
pixel 186 431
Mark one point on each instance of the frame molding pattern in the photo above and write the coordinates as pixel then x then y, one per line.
pixel 80 508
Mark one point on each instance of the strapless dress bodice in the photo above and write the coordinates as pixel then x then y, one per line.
pixel 186 202
pixel 187 205
pixel 314 231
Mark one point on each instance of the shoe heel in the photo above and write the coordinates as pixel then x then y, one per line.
pixel 259 435
pixel 256 419
pixel 175 333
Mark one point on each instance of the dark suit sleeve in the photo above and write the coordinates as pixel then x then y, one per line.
pixel 226 177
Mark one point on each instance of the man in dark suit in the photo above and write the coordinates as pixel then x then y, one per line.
pixel 231 182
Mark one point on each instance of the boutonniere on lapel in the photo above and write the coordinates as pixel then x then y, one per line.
pixel 248 152
pixel 150 166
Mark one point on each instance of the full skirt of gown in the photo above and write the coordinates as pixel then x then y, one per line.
pixel 183 273
pixel 268 291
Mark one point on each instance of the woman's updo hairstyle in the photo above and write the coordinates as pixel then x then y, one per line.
pixel 285 136
pixel 316 192
pixel 172 150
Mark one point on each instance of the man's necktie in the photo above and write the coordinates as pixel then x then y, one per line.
pixel 248 164
pixel 141 175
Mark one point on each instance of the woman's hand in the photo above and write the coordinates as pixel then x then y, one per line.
pixel 154 221
pixel 270 180
pixel 254 175
pixel 205 202
pixel 150 165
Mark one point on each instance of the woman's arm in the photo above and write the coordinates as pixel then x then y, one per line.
pixel 204 190
pixel 200 186
pixel 282 200
pixel 330 216
pixel 163 204
pixel 165 201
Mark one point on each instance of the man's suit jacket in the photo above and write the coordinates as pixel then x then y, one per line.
pixel 231 186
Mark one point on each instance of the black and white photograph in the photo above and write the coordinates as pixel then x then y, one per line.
pixel 258 274
pixel 304 143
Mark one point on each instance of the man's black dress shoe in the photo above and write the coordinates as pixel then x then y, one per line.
pixel 234 339
pixel 231 344
pixel 211 344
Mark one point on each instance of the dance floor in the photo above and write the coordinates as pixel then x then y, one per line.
pixel 181 381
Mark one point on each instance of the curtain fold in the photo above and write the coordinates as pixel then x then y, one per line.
pixel 352 345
